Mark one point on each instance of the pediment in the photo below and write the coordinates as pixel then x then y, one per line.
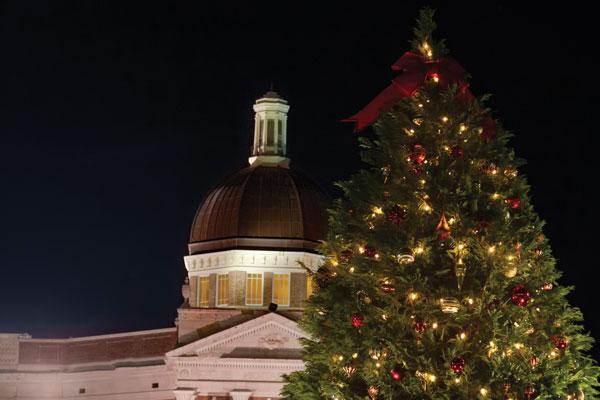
pixel 268 334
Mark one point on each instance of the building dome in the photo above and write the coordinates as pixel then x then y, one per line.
pixel 261 207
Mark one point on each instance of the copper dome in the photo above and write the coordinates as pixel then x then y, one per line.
pixel 261 207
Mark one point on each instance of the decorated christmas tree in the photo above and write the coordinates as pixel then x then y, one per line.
pixel 438 282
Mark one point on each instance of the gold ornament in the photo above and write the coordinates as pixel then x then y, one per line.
pixel 349 370
pixel 460 270
pixel 510 271
pixel 449 305
pixel 405 256
pixel 373 391
pixel 443 229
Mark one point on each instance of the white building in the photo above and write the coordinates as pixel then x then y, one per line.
pixel 252 243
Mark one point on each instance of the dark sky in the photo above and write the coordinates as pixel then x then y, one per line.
pixel 117 117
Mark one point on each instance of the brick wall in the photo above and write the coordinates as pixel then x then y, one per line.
pixel 98 349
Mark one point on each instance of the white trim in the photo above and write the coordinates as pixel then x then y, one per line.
pixel 229 335
pixel 108 336
pixel 243 260
pixel 262 289
pixel 289 275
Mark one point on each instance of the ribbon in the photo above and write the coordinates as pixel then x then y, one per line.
pixel 415 71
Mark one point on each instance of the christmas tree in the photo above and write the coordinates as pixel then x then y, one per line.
pixel 438 282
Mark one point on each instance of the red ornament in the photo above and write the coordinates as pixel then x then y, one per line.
pixel 488 129
pixel 529 391
pixel 481 226
pixel 443 229
pixel 397 373
pixel 357 320
pixel 346 255
pixel 419 326
pixel 520 295
pixel 560 342
pixel 513 202
pixel 418 154
pixel 397 214
pixel 458 364
pixel 457 152
pixel 369 251
pixel 533 361
pixel 388 287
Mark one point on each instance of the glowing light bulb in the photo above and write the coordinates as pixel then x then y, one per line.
pixel 462 336
pixel 434 325
pixel 419 250
pixel 444 119
pixel 491 249
pixel 377 210
pixel 354 355
pixel 351 270
pixel 340 358
pixel 462 128
pixel 483 391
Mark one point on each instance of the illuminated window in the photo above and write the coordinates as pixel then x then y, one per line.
pixel 254 289
pixel 202 291
pixel 309 286
pixel 222 290
pixel 281 289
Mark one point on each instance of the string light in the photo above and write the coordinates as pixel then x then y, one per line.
pixel 419 250
pixel 354 355
pixel 444 119
pixel 462 128
pixel 462 336
pixel 491 249
pixel 434 325
pixel 483 392
pixel 492 349
pixel 377 210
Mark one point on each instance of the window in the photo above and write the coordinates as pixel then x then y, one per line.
pixel 281 289
pixel 254 288
pixel 202 291
pixel 309 285
pixel 81 390
pixel 222 289
pixel 155 385
pixel 270 132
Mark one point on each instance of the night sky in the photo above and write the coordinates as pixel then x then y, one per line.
pixel 117 117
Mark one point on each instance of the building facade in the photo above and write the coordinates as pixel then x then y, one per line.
pixel 252 249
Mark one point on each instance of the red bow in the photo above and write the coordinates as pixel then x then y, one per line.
pixel 415 71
